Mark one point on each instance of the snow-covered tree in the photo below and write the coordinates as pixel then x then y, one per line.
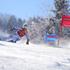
pixel 61 8
pixel 37 27
pixel 19 23
pixel 1 25
pixel 12 23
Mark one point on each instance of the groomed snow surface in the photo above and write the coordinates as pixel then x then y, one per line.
pixel 19 56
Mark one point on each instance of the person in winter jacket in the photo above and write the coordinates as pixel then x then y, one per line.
pixel 19 34
pixel 23 32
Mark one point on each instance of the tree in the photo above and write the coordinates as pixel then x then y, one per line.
pixel 19 23
pixel 61 8
pixel 37 28
pixel 1 26
pixel 12 23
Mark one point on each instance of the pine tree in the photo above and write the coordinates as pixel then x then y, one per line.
pixel 61 8
pixel 19 23
pixel 12 23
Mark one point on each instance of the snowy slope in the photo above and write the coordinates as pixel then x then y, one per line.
pixel 20 56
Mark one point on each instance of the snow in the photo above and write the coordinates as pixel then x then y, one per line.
pixel 19 56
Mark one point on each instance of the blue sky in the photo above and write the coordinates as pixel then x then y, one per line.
pixel 26 8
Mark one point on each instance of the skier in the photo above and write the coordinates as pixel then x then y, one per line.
pixel 19 34
pixel 23 32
